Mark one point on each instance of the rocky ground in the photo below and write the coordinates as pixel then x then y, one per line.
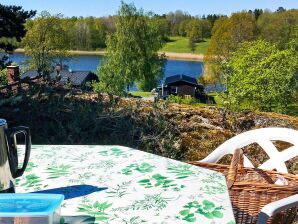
pixel 63 116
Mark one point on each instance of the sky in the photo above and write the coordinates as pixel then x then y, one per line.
pixel 100 8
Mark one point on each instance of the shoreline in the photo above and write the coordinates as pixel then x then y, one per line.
pixel 170 55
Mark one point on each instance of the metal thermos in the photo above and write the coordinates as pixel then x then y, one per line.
pixel 9 170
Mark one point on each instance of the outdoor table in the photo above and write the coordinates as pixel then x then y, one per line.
pixel 115 184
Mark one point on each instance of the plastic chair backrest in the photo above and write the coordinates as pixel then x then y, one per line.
pixel 264 138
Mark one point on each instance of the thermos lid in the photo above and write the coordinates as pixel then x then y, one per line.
pixel 2 122
pixel 29 205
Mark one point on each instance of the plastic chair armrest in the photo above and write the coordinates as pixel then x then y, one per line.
pixel 277 206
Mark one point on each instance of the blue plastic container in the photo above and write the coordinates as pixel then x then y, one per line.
pixel 30 208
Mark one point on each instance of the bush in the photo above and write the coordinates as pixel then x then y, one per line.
pixel 261 77
pixel 181 100
pixel 3 78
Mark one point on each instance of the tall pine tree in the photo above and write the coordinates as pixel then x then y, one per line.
pixel 12 29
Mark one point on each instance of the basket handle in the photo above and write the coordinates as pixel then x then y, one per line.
pixel 236 166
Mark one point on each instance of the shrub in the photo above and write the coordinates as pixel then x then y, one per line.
pixel 261 77
pixel 3 78
pixel 181 100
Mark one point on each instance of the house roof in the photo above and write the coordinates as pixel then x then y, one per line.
pixel 75 77
pixel 180 78
pixel 30 74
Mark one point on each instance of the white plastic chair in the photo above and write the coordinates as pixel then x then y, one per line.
pixel 277 206
pixel 264 138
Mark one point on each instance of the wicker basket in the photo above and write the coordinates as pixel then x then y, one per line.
pixel 251 189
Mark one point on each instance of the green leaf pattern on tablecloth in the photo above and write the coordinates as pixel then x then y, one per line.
pixel 142 168
pixel 181 171
pixel 120 190
pixel 117 152
pixel 158 180
pixel 32 181
pixel 30 166
pixel 58 171
pixel 134 220
pixel 127 186
pixel 217 188
pixel 206 208
pixel 155 202
pixel 97 209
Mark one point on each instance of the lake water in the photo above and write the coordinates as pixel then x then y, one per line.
pixel 91 62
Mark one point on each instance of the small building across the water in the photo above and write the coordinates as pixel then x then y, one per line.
pixel 77 79
pixel 181 85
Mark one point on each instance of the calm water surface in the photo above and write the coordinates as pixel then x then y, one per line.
pixel 91 62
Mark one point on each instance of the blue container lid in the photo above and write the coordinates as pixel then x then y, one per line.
pixel 25 205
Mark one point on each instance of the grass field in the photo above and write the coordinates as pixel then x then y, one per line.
pixel 180 45
pixel 176 44
pixel 140 93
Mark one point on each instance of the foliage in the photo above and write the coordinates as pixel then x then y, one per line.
pixel 175 19
pixel 257 13
pixel 11 29
pixel 181 100
pixel 262 77
pixel 45 42
pixel 3 77
pixel 57 115
pixel 132 53
pixel 86 33
pixel 227 35
pixel 192 45
pixel 198 29
pixel 278 27
pixel 178 22
pixel 90 33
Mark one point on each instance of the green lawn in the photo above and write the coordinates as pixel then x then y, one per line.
pixel 140 93
pixel 180 45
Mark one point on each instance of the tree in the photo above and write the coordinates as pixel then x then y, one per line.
pixel 227 36
pixel 175 19
pixel 98 33
pixel 198 29
pixel 262 77
pixel 3 77
pixel 194 30
pixel 162 26
pixel 213 17
pixel 82 35
pixel 132 53
pixel 46 42
pixel 12 19
pixel 258 13
pixel 183 27
pixel 281 9
pixel 192 45
pixel 278 27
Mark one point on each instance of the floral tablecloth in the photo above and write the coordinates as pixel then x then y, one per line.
pixel 114 184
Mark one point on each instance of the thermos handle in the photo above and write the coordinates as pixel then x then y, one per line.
pixel 10 135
